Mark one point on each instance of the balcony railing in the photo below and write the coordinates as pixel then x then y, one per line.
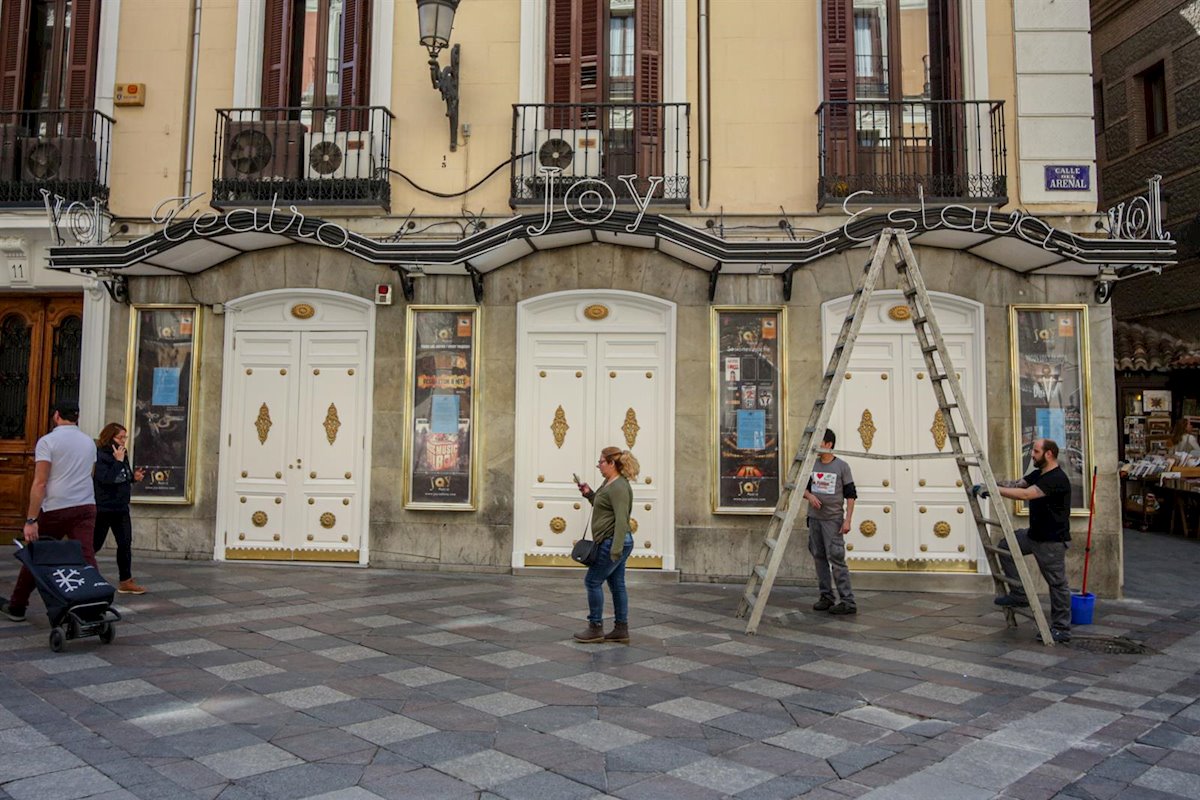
pixel 951 150
pixel 303 156
pixel 601 142
pixel 64 152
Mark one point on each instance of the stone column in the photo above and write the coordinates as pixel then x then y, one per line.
pixel 93 369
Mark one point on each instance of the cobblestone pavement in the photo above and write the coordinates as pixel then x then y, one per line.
pixel 243 681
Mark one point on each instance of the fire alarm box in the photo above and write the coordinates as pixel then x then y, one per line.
pixel 129 94
pixel 383 294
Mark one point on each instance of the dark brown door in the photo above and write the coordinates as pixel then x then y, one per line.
pixel 39 366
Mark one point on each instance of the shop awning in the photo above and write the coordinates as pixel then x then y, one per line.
pixel 1137 347
pixel 1017 241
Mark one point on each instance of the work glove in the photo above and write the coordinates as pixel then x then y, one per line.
pixel 979 490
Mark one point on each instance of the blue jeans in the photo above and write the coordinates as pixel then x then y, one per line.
pixel 612 572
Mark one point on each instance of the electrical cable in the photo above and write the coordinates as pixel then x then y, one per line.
pixel 471 188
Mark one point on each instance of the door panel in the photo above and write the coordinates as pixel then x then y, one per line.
pixel 873 532
pixel 943 529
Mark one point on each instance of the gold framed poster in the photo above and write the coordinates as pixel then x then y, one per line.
pixel 1052 391
pixel 439 407
pixel 161 386
pixel 749 407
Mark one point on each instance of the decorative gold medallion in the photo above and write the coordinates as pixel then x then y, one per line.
pixel 259 518
pixel 633 526
pixel 263 423
pixel 332 423
pixel 558 525
pixel 900 313
pixel 867 528
pixel 303 311
pixel 328 520
pixel 596 312
pixel 941 529
pixel 939 430
pixel 559 427
pixel 866 429
pixel 630 428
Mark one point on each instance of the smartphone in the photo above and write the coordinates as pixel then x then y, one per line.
pixel 576 477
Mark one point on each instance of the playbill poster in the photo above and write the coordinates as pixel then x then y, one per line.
pixel 1051 390
pixel 161 390
pixel 749 354
pixel 440 453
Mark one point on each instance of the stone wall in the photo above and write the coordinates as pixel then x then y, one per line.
pixel 708 547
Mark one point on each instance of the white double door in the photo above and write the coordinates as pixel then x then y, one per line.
pixel 577 394
pixel 909 514
pixel 295 445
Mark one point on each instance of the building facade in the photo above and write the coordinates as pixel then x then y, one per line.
pixel 641 227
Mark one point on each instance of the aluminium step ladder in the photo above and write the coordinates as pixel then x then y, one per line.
pixel 992 529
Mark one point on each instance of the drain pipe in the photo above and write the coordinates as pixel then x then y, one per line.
pixel 189 167
pixel 703 117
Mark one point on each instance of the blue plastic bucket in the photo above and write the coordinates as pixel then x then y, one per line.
pixel 1082 607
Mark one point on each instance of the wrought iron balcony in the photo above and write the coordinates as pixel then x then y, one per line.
pixel 64 152
pixel 952 150
pixel 599 142
pixel 302 156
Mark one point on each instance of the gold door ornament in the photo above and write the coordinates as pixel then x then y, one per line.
pixel 941 529
pixel 263 423
pixel 328 520
pixel 900 313
pixel 259 518
pixel 559 427
pixel 868 528
pixel 939 430
pixel 596 312
pixel 558 525
pixel 867 429
pixel 631 428
pixel 332 424
pixel 303 311
pixel 633 526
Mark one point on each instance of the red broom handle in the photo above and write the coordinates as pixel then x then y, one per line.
pixel 1087 550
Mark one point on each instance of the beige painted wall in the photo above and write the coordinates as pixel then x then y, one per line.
pixel 765 70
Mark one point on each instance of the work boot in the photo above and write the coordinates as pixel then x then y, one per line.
pixel 593 634
pixel 129 587
pixel 824 604
pixel 619 634
pixel 842 609
pixel 12 612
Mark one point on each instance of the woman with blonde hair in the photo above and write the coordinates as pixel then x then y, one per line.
pixel 611 506
pixel 114 480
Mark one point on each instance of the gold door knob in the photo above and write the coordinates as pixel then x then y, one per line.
pixel 887 509
pixel 849 547
pixel 276 537
pixel 241 537
pixel 349 372
pixel 348 476
pixel 278 500
pixel 887 548
pixel 612 374
pixel 541 478
pixel 312 474
pixel 960 509
pixel 245 474
pixel 883 376
pixel 283 372
pixel 921 482
pixel 539 542
pixel 848 376
pixel 958 484
pixel 649 374
pixel 962 548
pixel 886 483
pixel 541 505
pixel 647 506
pixel 249 372
pixel 345 501
pixel 577 506
pixel 578 374
pixel 241 499
pixel 310 537
pixel 921 509
pixel 649 481
pixel 316 372
pixel 920 376
pixel 311 501
pixel 542 374
pixel 278 475
pixel 345 537
pixel 924 548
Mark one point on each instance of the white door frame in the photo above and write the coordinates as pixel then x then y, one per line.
pixel 527 324
pixel 833 312
pixel 357 314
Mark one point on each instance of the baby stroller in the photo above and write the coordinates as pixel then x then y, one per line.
pixel 78 600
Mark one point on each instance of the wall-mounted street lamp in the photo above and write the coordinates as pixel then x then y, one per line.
pixel 436 18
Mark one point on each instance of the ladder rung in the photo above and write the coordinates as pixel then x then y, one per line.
pixel 1008 580
pixel 750 597
pixel 1000 551
pixel 933 348
pixel 963 462
pixel 941 376
pixel 771 543
pixel 761 572
pixel 1021 612
pixel 787 487
pixel 919 320
pixel 995 523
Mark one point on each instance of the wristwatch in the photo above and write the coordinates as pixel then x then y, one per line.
pixel 31 520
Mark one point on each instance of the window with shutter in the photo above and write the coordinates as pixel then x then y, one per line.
pixel 48 53
pixel 14 36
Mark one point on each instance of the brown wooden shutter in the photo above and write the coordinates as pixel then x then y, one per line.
pixel 837 49
pixel 14 35
pixel 277 54
pixel 356 64
pixel 950 123
pixel 648 87
pixel 82 53
pixel 575 29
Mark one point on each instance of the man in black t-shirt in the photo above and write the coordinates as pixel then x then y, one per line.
pixel 1047 491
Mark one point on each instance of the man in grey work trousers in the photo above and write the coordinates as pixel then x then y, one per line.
pixel 829 488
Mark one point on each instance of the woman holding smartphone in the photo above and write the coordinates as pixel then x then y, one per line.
pixel 114 480
pixel 611 506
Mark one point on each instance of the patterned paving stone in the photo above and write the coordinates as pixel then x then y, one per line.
pixel 594 682
pixel 690 708
pixel 600 736
pixel 118 690
pixel 389 729
pixel 243 670
pixel 501 704
pixel 724 776
pixel 487 768
pixel 309 697
pixel 511 659
pixel 187 647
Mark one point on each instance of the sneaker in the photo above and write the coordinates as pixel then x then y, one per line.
pixel 12 612
pixel 129 587
pixel 1059 636
pixel 824 604
pixel 1008 601
pixel 841 609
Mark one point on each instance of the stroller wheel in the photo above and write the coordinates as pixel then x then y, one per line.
pixel 58 640
pixel 108 632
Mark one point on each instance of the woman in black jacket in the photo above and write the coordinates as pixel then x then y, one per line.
pixel 114 480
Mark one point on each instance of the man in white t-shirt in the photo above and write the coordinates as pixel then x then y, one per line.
pixel 62 501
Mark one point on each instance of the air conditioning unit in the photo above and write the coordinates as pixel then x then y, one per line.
pixel 262 150
pixel 58 158
pixel 10 143
pixel 341 155
pixel 576 153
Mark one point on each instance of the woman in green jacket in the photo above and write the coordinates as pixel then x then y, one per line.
pixel 611 506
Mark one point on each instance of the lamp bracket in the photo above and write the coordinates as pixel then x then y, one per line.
pixel 445 80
